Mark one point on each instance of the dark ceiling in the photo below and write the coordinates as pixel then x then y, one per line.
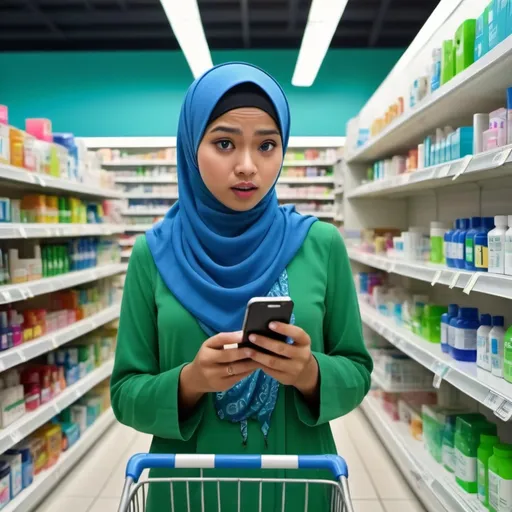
pixel 27 25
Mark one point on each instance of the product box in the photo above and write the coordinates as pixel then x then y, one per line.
pixel 447 61
pixel 462 142
pixel 497 21
pixel 464 43
pixel 482 34
pixel 14 462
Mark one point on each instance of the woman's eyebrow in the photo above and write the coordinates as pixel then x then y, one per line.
pixel 271 131
pixel 227 129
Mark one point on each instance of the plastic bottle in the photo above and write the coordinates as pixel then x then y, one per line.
pixel 453 311
pixel 484 452
pixel 496 243
pixel 496 337
pixel 431 322
pixel 448 244
pixel 507 355
pixel 469 243
pixel 437 232
pixel 508 248
pixel 460 244
pixel 483 346
pixel 500 478
pixel 464 343
pixel 481 254
pixel 469 428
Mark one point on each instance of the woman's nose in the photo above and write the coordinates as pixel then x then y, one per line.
pixel 246 164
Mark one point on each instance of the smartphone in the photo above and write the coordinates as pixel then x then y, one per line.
pixel 260 312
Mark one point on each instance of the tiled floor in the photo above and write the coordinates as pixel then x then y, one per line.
pixel 376 484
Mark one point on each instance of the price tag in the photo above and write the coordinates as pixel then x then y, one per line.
pixel 504 411
pixel 55 343
pixel 2 366
pixel 57 408
pixel 7 296
pixel 22 232
pixel 77 394
pixel 493 401
pixel 443 171
pixel 392 267
pixel 463 166
pixel 16 436
pixel 24 293
pixel 454 280
pixel 440 369
pixel 22 355
pixel 436 278
pixel 471 283
pixel 501 157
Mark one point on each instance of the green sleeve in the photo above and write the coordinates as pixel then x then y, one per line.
pixel 143 397
pixel 345 366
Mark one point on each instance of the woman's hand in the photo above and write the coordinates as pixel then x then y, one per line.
pixel 217 369
pixel 291 365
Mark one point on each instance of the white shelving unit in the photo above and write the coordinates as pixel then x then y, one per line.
pixel 138 187
pixel 22 291
pixel 478 185
pixel 12 231
pixel 50 478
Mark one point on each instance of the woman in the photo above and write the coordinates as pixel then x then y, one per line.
pixel 189 280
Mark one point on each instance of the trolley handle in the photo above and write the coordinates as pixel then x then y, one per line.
pixel 139 462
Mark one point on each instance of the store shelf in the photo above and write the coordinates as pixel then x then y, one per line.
pixel 31 421
pixel 137 228
pixel 339 218
pixel 126 254
pixel 140 163
pixel 489 165
pixel 379 380
pixel 44 344
pixel 434 485
pixel 339 189
pixel 156 195
pixel 309 180
pixel 12 231
pixel 27 290
pixel 313 197
pixel 479 88
pixel 127 242
pixel 149 180
pixel 499 285
pixel 309 163
pixel 319 215
pixel 145 212
pixel 36 181
pixel 491 391
pixel 43 483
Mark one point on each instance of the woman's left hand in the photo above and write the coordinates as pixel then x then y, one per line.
pixel 290 364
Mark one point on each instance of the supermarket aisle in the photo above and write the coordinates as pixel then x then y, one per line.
pixel 377 486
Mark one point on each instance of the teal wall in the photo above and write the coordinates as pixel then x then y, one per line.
pixel 105 94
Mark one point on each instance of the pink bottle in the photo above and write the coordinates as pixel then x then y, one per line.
pixel 4 114
pixel 39 128
pixel 15 326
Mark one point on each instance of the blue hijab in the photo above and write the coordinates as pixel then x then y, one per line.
pixel 214 259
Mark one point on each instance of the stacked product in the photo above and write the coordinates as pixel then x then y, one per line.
pixel 27 260
pixel 461 331
pixel 42 449
pixel 61 309
pixel 117 155
pixel 471 41
pixel 37 149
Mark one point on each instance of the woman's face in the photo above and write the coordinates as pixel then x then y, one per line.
pixel 240 157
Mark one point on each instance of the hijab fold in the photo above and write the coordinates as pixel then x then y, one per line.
pixel 214 259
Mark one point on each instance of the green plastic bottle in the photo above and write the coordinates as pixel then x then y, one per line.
pixel 431 322
pixel 507 354
pixel 484 452
pixel 500 478
pixel 468 430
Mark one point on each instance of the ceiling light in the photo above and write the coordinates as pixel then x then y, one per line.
pixel 186 24
pixel 323 19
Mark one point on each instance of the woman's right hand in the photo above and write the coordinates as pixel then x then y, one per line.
pixel 216 369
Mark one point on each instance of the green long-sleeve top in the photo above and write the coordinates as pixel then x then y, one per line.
pixel 157 337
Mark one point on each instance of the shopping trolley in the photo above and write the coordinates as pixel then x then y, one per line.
pixel 135 489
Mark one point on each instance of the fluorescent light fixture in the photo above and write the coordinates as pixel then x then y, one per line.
pixel 323 19
pixel 185 20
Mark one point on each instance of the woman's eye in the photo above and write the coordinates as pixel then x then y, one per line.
pixel 267 146
pixel 224 145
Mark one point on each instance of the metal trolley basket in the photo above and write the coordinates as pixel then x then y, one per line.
pixel 135 489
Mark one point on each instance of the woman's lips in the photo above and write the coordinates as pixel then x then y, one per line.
pixel 244 193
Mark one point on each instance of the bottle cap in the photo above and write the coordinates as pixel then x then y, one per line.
pixel 453 309
pixel 485 319
pixel 501 220
pixel 475 222
pixel 464 223
pixel 503 450
pixel 488 223
pixel 468 313
pixel 498 321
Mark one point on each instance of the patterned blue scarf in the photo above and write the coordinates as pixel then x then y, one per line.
pixel 256 395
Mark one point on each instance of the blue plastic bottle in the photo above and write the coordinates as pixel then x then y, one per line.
pixel 481 242
pixel 448 249
pixel 446 318
pixel 460 238
pixel 474 228
pixel 465 340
